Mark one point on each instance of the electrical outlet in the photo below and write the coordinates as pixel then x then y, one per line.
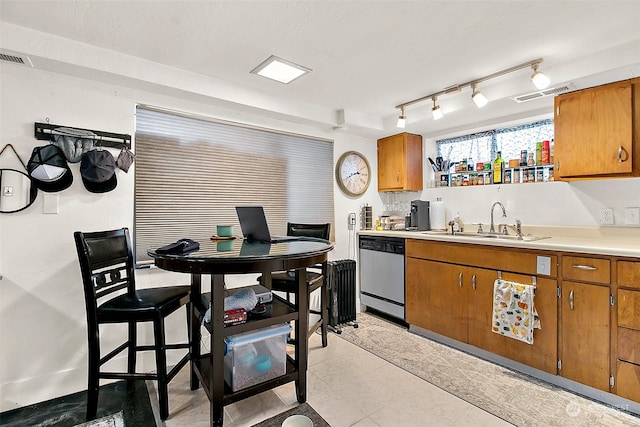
pixel 632 216
pixel 606 216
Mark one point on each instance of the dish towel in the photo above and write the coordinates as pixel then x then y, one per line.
pixel 514 313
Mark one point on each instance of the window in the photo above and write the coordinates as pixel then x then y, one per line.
pixel 191 172
pixel 483 146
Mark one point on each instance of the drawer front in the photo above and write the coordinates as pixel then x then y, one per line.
pixel 628 379
pixel 629 345
pixel 584 269
pixel 629 309
pixel 629 274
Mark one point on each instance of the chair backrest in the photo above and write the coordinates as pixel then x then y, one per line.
pixel 106 264
pixel 320 231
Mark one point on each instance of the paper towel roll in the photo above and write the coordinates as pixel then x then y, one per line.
pixel 438 220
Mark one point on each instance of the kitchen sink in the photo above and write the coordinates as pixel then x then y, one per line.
pixel 524 238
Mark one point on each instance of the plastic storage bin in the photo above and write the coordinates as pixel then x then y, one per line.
pixel 255 356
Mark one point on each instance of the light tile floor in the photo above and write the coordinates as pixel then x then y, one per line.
pixel 347 386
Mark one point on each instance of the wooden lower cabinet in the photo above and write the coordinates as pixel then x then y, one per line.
pixel 586 330
pixel 457 301
pixel 628 378
pixel 543 353
pixel 449 291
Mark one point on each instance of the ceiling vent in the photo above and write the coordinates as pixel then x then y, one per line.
pixel 15 58
pixel 543 93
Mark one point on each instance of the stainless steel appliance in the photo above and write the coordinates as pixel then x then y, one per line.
pixel 382 274
pixel 419 215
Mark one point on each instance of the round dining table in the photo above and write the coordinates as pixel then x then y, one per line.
pixel 236 256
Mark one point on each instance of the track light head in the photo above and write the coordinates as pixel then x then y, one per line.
pixel 436 111
pixel 402 119
pixel 539 79
pixel 478 98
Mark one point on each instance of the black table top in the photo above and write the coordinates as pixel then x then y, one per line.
pixel 239 255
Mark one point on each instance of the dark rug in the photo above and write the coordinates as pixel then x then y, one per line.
pixel 131 398
pixel 304 409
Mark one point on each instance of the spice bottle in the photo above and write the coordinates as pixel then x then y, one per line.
pixel 545 152
pixel 497 169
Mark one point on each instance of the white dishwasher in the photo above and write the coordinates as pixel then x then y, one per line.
pixel 382 274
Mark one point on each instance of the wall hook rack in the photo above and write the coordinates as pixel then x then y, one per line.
pixel 42 131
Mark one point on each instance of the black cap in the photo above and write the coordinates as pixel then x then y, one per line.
pixel 98 170
pixel 49 170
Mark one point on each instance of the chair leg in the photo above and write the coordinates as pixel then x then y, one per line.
pixel 324 312
pixel 161 367
pixel 93 383
pixel 132 353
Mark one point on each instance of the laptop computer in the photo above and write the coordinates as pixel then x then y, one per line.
pixel 254 225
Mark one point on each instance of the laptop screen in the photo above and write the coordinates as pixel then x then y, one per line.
pixel 253 223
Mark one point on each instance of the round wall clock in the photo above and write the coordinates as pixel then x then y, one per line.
pixel 353 173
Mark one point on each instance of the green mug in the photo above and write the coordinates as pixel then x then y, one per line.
pixel 224 230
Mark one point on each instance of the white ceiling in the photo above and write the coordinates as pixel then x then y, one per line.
pixel 366 56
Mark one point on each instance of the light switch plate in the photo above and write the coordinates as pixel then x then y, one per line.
pixel 543 265
pixel 632 216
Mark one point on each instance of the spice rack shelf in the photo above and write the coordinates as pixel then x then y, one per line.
pixel 517 175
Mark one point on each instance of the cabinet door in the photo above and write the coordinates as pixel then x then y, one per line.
pixel 593 131
pixel 585 334
pixel 543 353
pixel 391 167
pixel 436 297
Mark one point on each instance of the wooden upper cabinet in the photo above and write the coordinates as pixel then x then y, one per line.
pixel 400 163
pixel 594 131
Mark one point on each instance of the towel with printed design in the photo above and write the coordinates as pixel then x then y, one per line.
pixel 514 313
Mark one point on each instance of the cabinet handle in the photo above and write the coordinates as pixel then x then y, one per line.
pixel 584 267
pixel 571 300
pixel 473 282
pixel 620 152
pixel 398 176
pixel 460 279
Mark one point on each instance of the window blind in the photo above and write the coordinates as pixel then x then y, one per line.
pixel 191 172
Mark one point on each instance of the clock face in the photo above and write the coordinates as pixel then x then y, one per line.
pixel 353 173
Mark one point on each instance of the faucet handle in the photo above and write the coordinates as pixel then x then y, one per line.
pixel 518 227
pixel 504 229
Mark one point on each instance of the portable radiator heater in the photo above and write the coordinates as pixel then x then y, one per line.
pixel 342 293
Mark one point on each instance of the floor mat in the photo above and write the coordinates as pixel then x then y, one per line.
pixel 303 409
pixel 517 398
pixel 67 411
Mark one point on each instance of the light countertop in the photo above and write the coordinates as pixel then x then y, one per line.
pixel 614 241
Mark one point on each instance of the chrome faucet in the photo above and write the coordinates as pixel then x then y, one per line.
pixel 504 214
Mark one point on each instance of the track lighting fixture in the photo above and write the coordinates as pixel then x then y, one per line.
pixel 402 119
pixel 539 79
pixel 478 98
pixel 436 110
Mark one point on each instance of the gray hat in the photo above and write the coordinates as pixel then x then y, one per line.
pixel 98 170
pixel 73 142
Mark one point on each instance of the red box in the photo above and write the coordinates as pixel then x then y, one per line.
pixel 235 316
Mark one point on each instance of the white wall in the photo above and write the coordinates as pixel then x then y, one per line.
pixel 42 320
pixel 42 315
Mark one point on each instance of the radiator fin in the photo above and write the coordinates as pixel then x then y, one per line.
pixel 342 291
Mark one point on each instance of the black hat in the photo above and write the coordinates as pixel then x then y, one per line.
pixel 49 170
pixel 98 170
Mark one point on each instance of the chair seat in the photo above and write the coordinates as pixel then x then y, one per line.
pixel 286 281
pixel 144 304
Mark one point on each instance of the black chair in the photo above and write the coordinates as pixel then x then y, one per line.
pixel 285 281
pixel 106 264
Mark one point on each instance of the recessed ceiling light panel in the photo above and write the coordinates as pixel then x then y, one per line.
pixel 279 69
